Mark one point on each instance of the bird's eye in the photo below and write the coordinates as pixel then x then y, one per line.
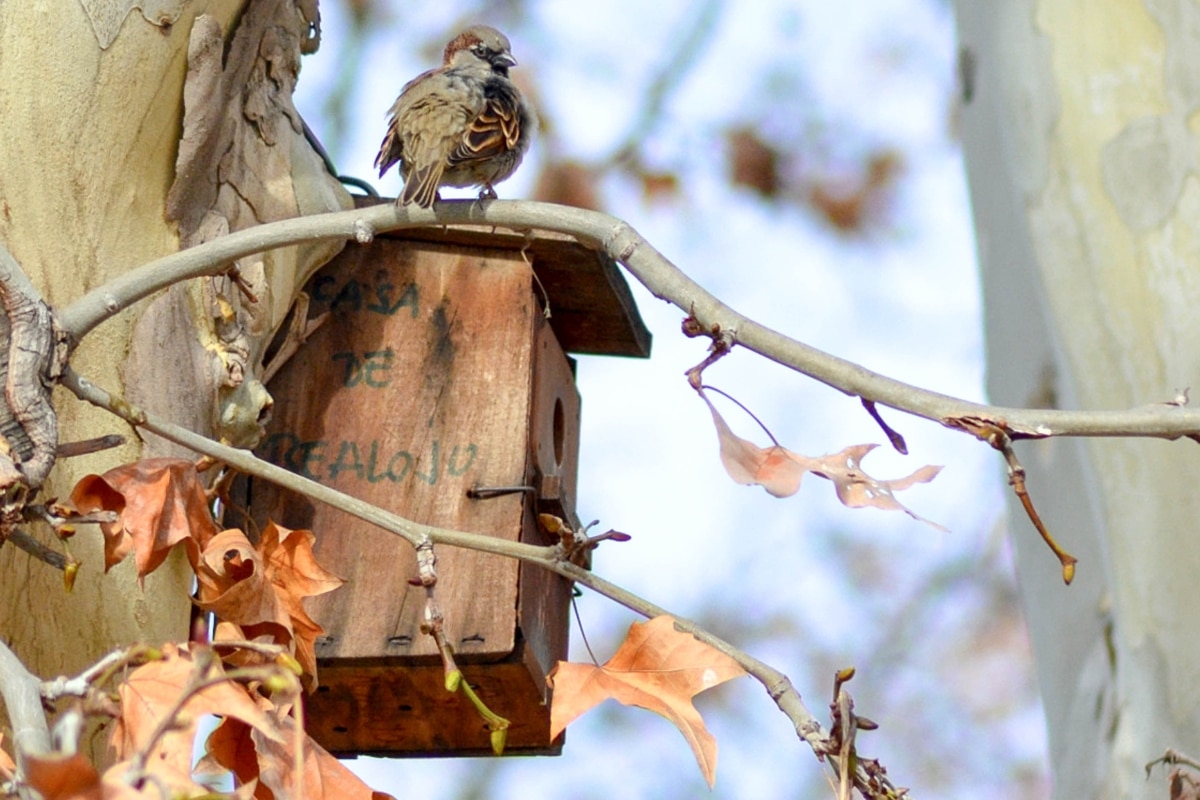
pixel 479 50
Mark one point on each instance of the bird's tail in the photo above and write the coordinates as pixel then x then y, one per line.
pixel 421 187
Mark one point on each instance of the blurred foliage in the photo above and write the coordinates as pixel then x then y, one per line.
pixel 851 192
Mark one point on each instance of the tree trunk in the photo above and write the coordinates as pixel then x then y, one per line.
pixel 1079 137
pixel 94 111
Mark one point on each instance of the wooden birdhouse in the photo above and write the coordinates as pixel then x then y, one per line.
pixel 438 389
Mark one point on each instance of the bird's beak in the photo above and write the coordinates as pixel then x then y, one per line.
pixel 504 59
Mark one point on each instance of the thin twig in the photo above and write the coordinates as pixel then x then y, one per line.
pixel 751 414
pixel 1016 479
pixel 25 541
pixel 1170 758
pixel 893 436
pixel 778 686
pixel 88 446
pixel 95 675
pixel 247 462
pixel 582 633
pixel 197 684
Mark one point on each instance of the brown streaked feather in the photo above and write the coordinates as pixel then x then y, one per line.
pixel 391 150
pixel 421 187
pixel 494 132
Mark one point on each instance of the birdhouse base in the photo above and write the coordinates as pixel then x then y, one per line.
pixel 422 718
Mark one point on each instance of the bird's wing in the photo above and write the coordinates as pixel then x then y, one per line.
pixel 432 118
pixel 496 130
pixel 391 149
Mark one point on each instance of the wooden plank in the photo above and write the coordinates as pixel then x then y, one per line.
pixel 417 389
pixel 545 598
pixel 592 309
pixel 376 710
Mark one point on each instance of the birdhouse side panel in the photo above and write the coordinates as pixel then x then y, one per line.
pixel 545 598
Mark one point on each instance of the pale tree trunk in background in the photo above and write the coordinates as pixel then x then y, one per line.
pixel 93 113
pixel 1080 135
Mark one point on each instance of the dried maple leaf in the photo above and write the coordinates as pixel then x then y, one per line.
pixel 160 503
pixel 230 748
pixel 294 572
pixel 154 690
pixel 269 765
pixel 1182 785
pixel 259 591
pixel 780 471
pixel 657 668
pixel 63 777
pixel 233 584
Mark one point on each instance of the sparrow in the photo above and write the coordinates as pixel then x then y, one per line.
pixel 461 124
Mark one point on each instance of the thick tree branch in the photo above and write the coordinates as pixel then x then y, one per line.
pixel 622 243
pixel 33 358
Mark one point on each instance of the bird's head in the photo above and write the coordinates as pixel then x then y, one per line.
pixel 480 43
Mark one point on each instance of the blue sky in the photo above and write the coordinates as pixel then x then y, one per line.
pixel 810 585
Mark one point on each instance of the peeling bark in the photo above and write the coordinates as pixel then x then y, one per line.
pixel 243 160
pixel 33 356
pixel 1079 142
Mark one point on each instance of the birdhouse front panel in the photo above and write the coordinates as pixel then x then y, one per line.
pixel 434 373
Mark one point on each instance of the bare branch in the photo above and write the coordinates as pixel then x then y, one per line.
pixel 24 541
pixel 97 674
pixel 1016 479
pixel 621 242
pixel 88 446
pixel 22 695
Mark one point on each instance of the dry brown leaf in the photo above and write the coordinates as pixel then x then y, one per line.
pixel 658 186
pixel 154 690
pixel 294 572
pixel 568 183
pixel 780 471
pixel 657 668
pixel 1182 785
pixel 160 503
pixel 258 592
pixel 63 777
pixel 118 782
pixel 230 748
pixel 269 766
pixel 233 584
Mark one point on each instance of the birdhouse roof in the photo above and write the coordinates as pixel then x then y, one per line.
pixel 591 308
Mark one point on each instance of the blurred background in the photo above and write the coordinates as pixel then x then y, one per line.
pixel 800 160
